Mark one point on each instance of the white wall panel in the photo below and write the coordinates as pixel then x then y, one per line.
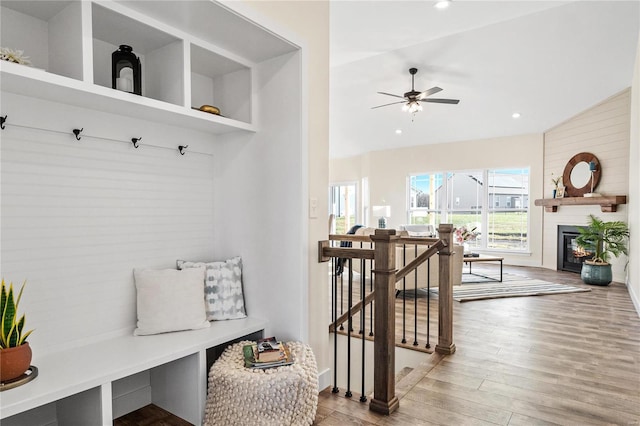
pixel 603 131
pixel 78 216
pixel 261 206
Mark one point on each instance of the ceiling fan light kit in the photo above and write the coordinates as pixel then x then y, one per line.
pixel 411 100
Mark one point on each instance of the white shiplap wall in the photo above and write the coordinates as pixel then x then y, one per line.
pixel 602 130
pixel 78 216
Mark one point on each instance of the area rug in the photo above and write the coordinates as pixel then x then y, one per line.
pixel 510 288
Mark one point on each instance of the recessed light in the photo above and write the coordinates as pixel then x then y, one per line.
pixel 442 4
pixel 516 115
pixel 398 131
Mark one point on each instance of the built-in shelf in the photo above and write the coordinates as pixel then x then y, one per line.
pixel 40 84
pixel 179 70
pixel 607 203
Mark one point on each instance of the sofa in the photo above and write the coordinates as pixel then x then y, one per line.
pixel 405 253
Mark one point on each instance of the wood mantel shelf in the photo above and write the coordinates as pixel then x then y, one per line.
pixel 608 203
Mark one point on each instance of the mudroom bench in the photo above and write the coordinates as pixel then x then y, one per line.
pixel 95 383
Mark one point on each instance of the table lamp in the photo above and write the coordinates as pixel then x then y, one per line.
pixel 382 212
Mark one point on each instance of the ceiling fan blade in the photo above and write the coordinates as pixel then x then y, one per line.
pixel 429 92
pixel 441 101
pixel 392 103
pixel 390 94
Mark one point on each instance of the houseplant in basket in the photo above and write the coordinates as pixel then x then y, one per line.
pixel 15 352
pixel 603 239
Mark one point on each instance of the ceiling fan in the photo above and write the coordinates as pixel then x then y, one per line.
pixel 412 99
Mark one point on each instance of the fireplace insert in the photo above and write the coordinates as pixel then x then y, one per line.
pixel 570 254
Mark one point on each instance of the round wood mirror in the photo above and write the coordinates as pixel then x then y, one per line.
pixel 577 174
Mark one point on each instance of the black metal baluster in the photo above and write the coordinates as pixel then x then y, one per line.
pixel 415 301
pixel 428 345
pixel 342 294
pixel 334 284
pixel 363 277
pixel 404 296
pixel 334 301
pixel 371 290
pixel 363 284
pixel 348 393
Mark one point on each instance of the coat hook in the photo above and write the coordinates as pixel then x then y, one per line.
pixel 77 133
pixel 182 149
pixel 2 121
pixel 135 141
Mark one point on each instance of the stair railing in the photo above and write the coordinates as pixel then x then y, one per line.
pixel 382 253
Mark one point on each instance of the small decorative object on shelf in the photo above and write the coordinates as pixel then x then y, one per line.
pixel 593 166
pixel 126 70
pixel 15 352
pixel 16 56
pixel 557 181
pixel 559 192
pixel 210 109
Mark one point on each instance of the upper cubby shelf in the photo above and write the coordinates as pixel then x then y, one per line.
pixel 49 33
pixel 70 44
pixel 39 84
pixel 160 54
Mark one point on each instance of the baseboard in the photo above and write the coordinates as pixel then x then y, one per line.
pixel 635 298
pixel 324 379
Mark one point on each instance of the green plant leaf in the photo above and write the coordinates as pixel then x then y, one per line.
pixel 8 316
pixel 24 337
pixel 604 238
pixel 20 294
pixel 12 338
pixel 11 331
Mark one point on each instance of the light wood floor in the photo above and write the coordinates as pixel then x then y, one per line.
pixel 570 359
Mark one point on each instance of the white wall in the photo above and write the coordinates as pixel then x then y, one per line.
pixel 634 188
pixel 388 171
pixel 309 21
pixel 79 216
pixel 602 130
pixel 259 181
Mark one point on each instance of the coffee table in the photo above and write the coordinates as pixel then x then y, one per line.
pixel 470 260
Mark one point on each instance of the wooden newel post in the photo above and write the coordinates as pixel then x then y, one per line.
pixel 384 382
pixel 445 292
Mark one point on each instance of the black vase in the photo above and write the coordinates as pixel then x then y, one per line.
pixel 126 70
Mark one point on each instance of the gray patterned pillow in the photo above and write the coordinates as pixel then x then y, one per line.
pixel 222 288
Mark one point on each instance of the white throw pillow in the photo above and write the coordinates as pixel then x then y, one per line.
pixel 222 288
pixel 169 300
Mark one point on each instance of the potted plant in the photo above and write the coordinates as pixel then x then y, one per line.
pixel 557 182
pixel 15 352
pixel 603 239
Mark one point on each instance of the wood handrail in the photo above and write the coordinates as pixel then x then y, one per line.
pixel 403 239
pixel 415 263
pixel 348 253
pixel 350 237
pixel 354 310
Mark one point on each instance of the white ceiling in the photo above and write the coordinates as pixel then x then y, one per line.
pixel 546 60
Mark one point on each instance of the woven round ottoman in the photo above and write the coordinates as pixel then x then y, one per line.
pixel 285 395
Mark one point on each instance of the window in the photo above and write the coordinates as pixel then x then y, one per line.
pixel 508 221
pixel 342 203
pixel 460 198
pixel 426 199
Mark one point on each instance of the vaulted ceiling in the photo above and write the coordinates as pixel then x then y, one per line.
pixel 547 61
